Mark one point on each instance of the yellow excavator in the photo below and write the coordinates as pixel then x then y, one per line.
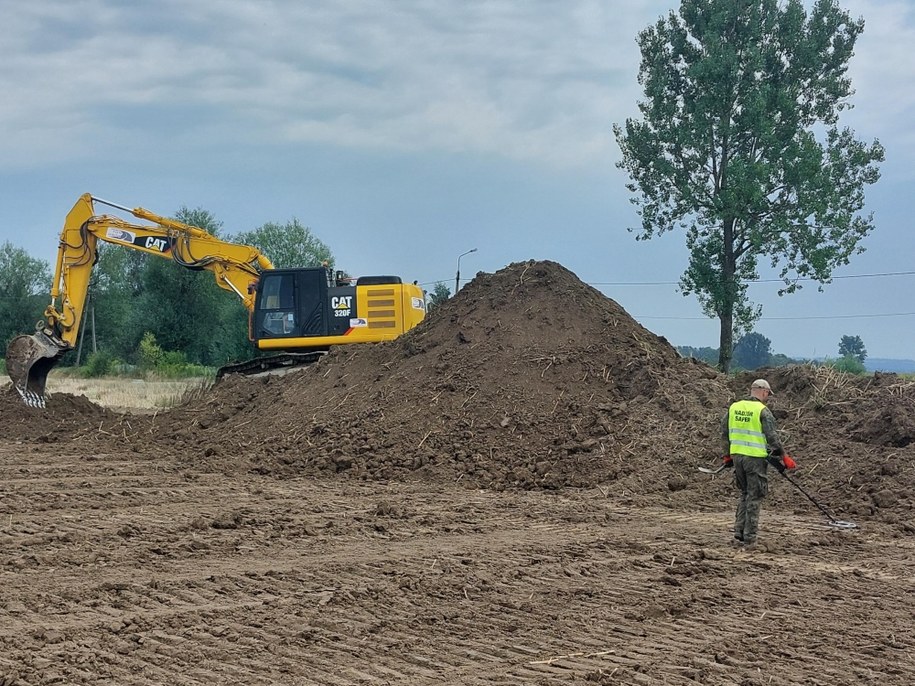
pixel 296 314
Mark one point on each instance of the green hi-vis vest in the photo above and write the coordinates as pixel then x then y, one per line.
pixel 745 429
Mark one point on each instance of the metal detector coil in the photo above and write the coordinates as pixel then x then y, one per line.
pixel 839 524
pixel 706 470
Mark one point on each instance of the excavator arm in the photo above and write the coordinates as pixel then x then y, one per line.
pixel 235 267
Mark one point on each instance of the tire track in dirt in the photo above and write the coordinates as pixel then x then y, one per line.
pixel 334 582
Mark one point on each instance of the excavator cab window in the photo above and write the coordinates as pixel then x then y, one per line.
pixel 278 304
pixel 292 303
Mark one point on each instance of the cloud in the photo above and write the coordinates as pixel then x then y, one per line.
pixel 536 81
pixel 531 81
pixel 883 74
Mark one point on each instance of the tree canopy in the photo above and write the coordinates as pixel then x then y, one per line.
pixel 184 308
pixel 853 346
pixel 752 351
pixel 25 285
pixel 440 293
pixel 739 145
pixel 287 245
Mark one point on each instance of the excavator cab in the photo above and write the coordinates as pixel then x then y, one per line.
pixel 311 309
pixel 298 314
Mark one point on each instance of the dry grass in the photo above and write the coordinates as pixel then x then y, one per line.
pixel 124 393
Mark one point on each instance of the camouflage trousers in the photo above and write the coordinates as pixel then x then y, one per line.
pixel 753 485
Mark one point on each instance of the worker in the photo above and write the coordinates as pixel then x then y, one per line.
pixel 748 429
pixel 329 273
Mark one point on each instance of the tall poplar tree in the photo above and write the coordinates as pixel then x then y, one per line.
pixel 739 144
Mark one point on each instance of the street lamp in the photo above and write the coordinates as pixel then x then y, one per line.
pixel 457 279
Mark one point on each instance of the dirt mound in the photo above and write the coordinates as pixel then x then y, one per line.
pixel 63 415
pixel 527 378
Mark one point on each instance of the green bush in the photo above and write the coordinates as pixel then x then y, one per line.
pixel 848 364
pixel 174 365
pixel 171 364
pixel 150 353
pixel 99 364
pixel 2 366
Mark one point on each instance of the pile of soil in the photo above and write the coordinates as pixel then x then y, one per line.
pixel 529 378
pixel 65 417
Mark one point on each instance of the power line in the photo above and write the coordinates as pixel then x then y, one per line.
pixel 850 316
pixel 835 316
pixel 677 283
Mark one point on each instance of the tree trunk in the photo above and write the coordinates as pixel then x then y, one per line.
pixel 729 297
pixel 94 343
pixel 726 341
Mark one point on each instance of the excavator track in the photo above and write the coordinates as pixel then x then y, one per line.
pixel 271 363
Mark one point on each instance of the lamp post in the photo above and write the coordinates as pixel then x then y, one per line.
pixel 457 279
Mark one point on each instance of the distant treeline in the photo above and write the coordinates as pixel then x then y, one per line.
pixel 752 352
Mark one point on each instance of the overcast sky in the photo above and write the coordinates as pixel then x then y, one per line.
pixel 407 132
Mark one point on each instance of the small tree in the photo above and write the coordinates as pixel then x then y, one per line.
pixel 440 293
pixel 853 346
pixel 149 352
pixel 752 351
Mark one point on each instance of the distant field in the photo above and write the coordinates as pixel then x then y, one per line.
pixel 889 365
pixel 124 393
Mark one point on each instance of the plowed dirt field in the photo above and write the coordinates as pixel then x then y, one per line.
pixel 508 494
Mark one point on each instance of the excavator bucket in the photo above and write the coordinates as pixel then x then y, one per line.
pixel 28 361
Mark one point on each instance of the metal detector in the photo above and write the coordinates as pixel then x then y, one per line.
pixel 832 521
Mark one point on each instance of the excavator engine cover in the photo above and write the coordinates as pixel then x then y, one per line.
pixel 28 361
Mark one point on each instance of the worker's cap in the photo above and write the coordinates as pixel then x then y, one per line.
pixel 762 383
